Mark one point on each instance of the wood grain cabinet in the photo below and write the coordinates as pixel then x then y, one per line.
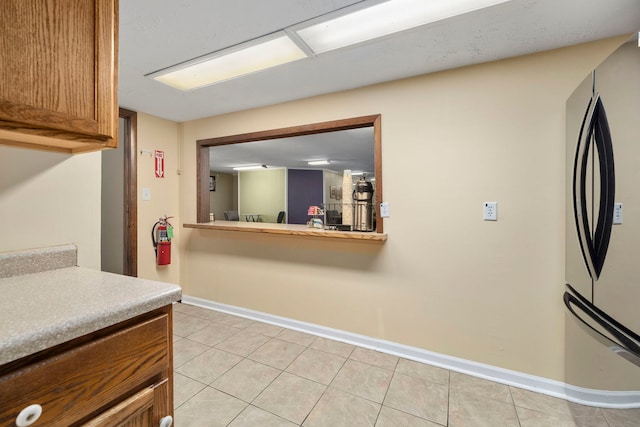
pixel 58 74
pixel 119 376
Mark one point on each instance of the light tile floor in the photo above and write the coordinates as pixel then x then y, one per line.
pixel 231 371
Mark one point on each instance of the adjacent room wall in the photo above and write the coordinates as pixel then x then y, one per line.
pixel 332 179
pixel 261 192
pixel 305 188
pixel 223 198
pixel 112 206
pixel 49 199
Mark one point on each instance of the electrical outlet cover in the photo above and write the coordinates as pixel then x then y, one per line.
pixel 384 209
pixel 490 211
pixel 617 213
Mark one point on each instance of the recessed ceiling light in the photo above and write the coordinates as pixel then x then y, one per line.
pixel 383 19
pixel 240 60
pixel 318 162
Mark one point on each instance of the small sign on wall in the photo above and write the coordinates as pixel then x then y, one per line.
pixel 159 155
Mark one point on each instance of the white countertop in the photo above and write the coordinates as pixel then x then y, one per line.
pixel 40 310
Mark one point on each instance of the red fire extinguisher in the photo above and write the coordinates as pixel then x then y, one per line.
pixel 161 235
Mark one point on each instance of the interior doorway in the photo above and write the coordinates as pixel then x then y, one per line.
pixel 119 246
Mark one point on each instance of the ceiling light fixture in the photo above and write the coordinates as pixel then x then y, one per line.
pixel 247 58
pixel 312 38
pixel 246 168
pixel 383 19
pixel 318 162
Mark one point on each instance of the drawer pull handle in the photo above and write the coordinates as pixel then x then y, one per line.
pixel 166 421
pixel 29 415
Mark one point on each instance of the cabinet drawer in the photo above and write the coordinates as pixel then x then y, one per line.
pixel 81 381
pixel 135 411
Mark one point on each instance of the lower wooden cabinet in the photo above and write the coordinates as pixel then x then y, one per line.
pixel 136 411
pixel 119 376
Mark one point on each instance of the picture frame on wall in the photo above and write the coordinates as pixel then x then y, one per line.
pixel 212 183
pixel 333 193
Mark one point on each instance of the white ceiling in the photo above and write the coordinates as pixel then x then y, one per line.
pixel 155 34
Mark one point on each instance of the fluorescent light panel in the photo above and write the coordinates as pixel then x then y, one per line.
pixel 318 162
pixel 246 168
pixel 383 19
pixel 375 21
pixel 224 66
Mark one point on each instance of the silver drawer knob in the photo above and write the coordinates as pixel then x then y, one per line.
pixel 29 415
pixel 166 421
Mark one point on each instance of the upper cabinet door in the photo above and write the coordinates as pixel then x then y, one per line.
pixel 58 74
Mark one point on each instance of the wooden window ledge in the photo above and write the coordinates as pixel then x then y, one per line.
pixel 290 230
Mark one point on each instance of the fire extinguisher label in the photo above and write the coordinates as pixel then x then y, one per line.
pixel 159 155
pixel 170 232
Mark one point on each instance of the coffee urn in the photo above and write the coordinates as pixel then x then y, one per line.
pixel 363 205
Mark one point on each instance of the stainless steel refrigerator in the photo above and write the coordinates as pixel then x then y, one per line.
pixel 602 294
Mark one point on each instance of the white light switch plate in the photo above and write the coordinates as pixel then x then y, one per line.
pixel 617 213
pixel 384 210
pixel 146 194
pixel 490 211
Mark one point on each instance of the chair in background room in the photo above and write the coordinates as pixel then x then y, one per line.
pixel 280 219
pixel 231 216
pixel 334 217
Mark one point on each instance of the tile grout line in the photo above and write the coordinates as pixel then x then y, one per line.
pixel 515 407
pixel 282 371
pixel 327 386
pixel 393 375
pixel 323 392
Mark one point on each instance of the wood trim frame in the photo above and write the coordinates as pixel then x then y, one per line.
pixel 202 155
pixel 130 264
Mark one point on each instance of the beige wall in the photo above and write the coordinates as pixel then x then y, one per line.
pixel 49 199
pixel 445 280
pixel 158 134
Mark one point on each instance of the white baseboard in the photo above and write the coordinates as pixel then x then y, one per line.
pixel 583 396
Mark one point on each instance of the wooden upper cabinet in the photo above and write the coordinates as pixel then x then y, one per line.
pixel 58 74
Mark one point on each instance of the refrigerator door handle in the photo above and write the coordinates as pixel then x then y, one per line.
pixel 594 243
